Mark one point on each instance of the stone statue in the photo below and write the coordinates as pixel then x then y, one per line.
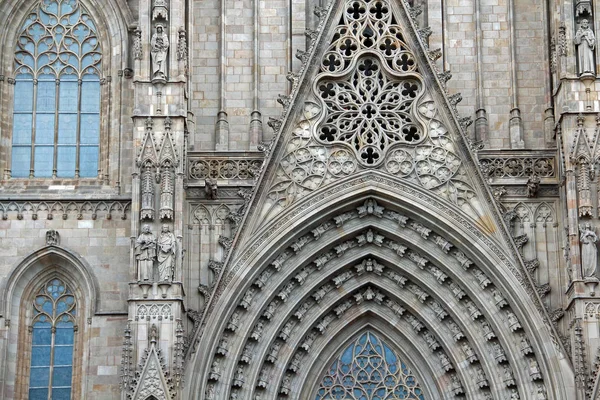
pixel 167 247
pixel 589 251
pixel 145 253
pixel 586 43
pixel 159 46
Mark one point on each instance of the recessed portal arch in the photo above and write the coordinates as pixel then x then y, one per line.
pixel 492 334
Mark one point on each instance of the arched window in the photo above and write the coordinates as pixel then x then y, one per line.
pixel 56 113
pixel 52 340
pixel 368 369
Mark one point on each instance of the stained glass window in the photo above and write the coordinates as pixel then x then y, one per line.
pixel 56 115
pixel 368 369
pixel 53 334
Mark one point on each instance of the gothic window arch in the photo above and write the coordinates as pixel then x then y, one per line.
pixel 368 369
pixel 56 105
pixel 53 329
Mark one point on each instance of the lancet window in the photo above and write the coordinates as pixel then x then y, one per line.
pixel 368 369
pixel 52 340
pixel 56 113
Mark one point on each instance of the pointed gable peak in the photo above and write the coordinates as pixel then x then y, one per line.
pixel 368 98
pixel 152 380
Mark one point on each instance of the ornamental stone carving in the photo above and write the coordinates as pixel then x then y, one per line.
pixel 167 250
pixel 145 254
pixel 585 41
pixel 159 47
pixel 52 238
pixel 589 250
pixel 368 108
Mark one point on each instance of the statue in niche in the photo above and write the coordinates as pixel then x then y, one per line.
pixel 159 46
pixel 145 253
pixel 589 252
pixel 167 246
pixel 585 42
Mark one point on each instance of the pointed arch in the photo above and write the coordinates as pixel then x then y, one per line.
pixel 18 290
pixel 110 21
pixel 458 267
pixel 71 265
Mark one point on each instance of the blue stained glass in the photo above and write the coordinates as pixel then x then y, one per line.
pixel 22 129
pixel 67 128
pixel 63 355
pixel 47 306
pixel 44 128
pixel 61 306
pixel 23 95
pixel 39 376
pixel 90 129
pixel 65 163
pixel 40 356
pixel 21 161
pixel 88 162
pixel 61 376
pixel 90 94
pixel 42 164
pixel 46 94
pixel 368 370
pixel 61 394
pixel 57 39
pixel 66 7
pixel 38 394
pixel 68 94
pixel 64 336
pixel 42 336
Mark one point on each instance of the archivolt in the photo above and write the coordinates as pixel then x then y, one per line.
pixel 447 300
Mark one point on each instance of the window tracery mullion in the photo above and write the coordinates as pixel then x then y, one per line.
pixel 59 39
pixel 56 108
pixel 78 136
pixel 33 127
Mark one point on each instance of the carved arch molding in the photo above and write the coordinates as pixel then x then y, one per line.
pixel 369 263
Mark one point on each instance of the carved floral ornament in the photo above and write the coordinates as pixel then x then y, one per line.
pixel 301 324
pixel 369 108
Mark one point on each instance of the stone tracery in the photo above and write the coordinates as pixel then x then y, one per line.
pixel 369 109
pixel 369 368
pixel 288 259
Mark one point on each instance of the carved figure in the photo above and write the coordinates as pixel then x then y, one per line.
pixel 52 238
pixel 589 252
pixel 457 386
pixel 210 188
pixel 167 247
pixel 159 46
pixel 215 371
pixel 145 253
pixel 534 370
pixel 533 184
pixel 585 40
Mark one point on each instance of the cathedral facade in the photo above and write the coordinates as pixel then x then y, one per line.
pixel 302 199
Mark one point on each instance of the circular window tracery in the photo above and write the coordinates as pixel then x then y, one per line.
pixel 368 369
pixel 370 110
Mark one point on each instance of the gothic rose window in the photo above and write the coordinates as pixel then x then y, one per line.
pixel 53 333
pixel 56 114
pixel 368 369
pixel 370 110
